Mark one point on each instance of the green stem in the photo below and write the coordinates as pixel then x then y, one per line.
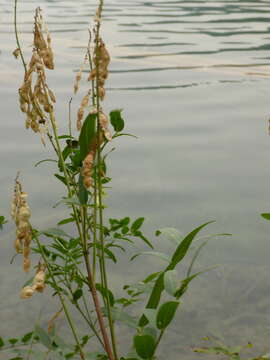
pixel 159 339
pixel 94 257
pixel 99 192
pixel 17 36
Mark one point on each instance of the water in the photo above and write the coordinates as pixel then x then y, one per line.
pixel 192 77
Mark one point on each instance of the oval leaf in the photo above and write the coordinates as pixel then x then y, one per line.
pixel 160 255
pixel 144 345
pixel 137 224
pixel 117 120
pixel 266 216
pixel 87 134
pixel 77 294
pixel 171 282
pixel 166 313
pixel 151 315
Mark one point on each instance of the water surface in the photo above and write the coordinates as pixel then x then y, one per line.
pixel 193 80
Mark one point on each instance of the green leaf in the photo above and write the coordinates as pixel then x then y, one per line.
pixel 160 255
pixel 151 277
pixel 27 337
pixel 76 158
pixel 171 282
pixel 61 178
pixel 65 137
pixel 110 254
pixel 65 221
pixel 166 313
pixel 266 216
pixel 71 201
pixel 43 337
pixel 77 294
pixel 2 222
pixel 137 224
pixel 151 315
pixel 67 150
pixel 87 134
pixel 54 232
pixel 105 293
pixel 178 255
pixel 171 234
pixel 151 331
pixel 1 342
pixel 187 280
pixel 125 221
pixel 182 249
pixel 117 120
pixel 141 236
pixel 13 341
pixel 144 346
pixel 83 193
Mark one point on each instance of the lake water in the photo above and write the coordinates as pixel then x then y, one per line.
pixel 193 80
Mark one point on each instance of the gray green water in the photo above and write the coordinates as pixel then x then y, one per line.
pixel 193 79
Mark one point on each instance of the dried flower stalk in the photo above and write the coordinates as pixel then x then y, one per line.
pixel 37 285
pixel 21 214
pixel 36 99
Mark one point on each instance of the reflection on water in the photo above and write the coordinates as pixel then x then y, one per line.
pixel 192 77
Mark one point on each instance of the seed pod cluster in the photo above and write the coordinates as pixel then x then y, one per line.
pixel 87 169
pixel 100 71
pixel 37 285
pixel 104 125
pixel 36 99
pixel 21 214
pixel 88 163
pixel 84 104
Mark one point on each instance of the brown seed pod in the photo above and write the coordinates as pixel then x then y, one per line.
pixel 27 292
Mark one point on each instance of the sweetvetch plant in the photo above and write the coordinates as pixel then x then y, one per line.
pixel 74 265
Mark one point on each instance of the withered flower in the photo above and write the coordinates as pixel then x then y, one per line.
pixel 21 214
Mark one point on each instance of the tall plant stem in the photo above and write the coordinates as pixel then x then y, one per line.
pixel 93 291
pixel 99 192
pixel 94 257
pixel 70 322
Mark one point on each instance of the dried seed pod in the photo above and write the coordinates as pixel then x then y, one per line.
pixel 24 213
pixel 26 252
pixel 18 246
pixel 20 212
pixel 92 75
pixel 16 53
pixel 77 80
pixel 39 281
pixel 101 92
pixel 52 96
pixel 52 320
pixel 26 264
pixel 48 108
pixel 27 292
pixel 104 124
pixel 87 169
